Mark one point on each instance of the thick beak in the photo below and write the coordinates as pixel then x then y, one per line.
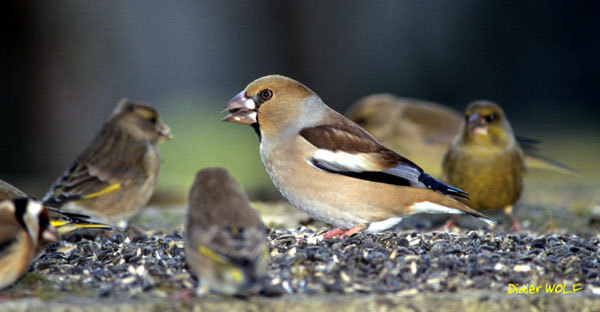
pixel 477 124
pixel 241 110
pixel 165 134
pixel 50 234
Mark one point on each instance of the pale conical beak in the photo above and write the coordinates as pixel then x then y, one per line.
pixel 477 124
pixel 241 110
pixel 165 134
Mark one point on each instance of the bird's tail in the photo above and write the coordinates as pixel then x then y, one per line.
pixel 436 185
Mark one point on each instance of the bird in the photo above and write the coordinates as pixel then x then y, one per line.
pixel 424 130
pixel 64 222
pixel 24 226
pixel 486 160
pixel 226 242
pixel 332 169
pixel 114 177
pixel 414 128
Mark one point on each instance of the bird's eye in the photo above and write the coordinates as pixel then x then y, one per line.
pixel 266 94
pixel 130 108
pixel 153 120
pixel 361 121
pixel 491 117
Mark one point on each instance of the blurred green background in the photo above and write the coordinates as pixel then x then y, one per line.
pixel 66 64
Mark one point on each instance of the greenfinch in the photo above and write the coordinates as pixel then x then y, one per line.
pixel 424 130
pixel 226 241
pixel 114 177
pixel 486 161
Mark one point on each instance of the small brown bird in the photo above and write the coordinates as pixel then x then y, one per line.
pixel 329 167
pixel 62 221
pixel 486 161
pixel 416 129
pixel 424 130
pixel 226 241
pixel 115 176
pixel 24 225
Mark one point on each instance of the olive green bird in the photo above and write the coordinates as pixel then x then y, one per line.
pixel 64 222
pixel 226 241
pixel 486 161
pixel 114 177
pixel 423 131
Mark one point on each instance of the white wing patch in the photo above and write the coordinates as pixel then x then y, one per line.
pixel 342 161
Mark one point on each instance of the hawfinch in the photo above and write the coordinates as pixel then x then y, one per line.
pixel 332 169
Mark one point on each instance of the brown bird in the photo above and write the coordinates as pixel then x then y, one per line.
pixel 486 161
pixel 24 225
pixel 423 130
pixel 329 167
pixel 115 176
pixel 226 241
pixel 62 221
pixel 416 129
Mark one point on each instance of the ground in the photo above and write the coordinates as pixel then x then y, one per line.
pixel 410 268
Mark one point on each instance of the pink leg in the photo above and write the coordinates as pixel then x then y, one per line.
pixel 333 233
pixel 515 223
pixel 449 225
pixel 357 228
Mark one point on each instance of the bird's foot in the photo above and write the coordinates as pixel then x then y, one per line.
pixel 185 295
pixel 448 226
pixel 340 233
pixel 333 233
pixel 515 227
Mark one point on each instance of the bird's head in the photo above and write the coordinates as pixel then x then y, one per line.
pixel 271 104
pixel 141 121
pixel 486 122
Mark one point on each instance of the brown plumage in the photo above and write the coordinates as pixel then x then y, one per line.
pixel 416 129
pixel 486 161
pixel 24 226
pixel 116 175
pixel 329 167
pixel 226 242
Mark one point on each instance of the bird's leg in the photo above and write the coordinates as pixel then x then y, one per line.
pixel 355 229
pixel 333 233
pixel 449 225
pixel 515 223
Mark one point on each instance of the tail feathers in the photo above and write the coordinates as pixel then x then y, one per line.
pixel 429 207
pixel 436 185
pixel 533 159
pixel 541 162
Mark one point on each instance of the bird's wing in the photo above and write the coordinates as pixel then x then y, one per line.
pixel 67 222
pixel 238 246
pixel 97 174
pixel 349 150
